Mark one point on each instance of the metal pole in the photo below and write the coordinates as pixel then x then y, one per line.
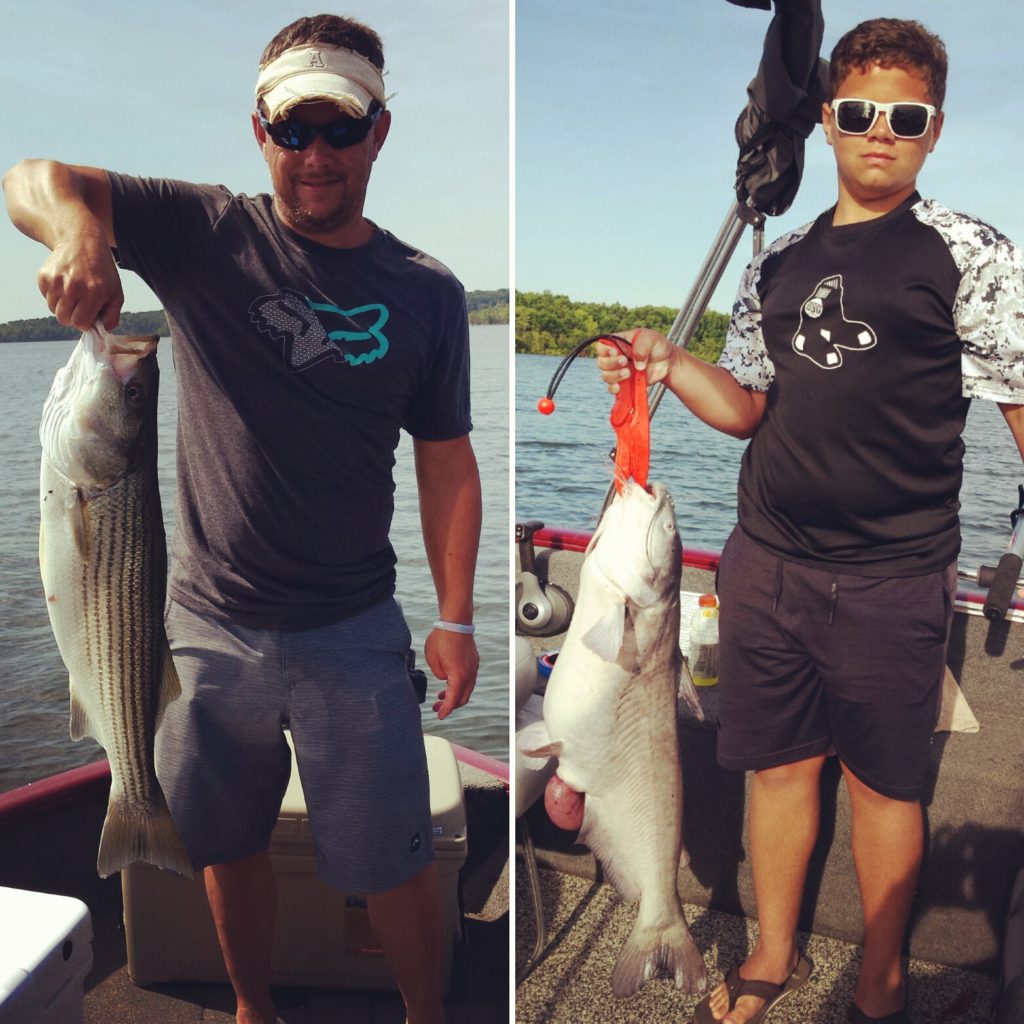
pixel 717 259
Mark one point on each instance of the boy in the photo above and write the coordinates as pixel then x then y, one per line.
pixel 855 346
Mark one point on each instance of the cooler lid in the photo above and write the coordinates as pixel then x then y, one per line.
pixel 447 806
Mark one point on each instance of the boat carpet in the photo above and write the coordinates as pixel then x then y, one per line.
pixel 974 808
pixel 588 923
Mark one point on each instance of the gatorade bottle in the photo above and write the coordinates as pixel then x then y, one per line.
pixel 704 642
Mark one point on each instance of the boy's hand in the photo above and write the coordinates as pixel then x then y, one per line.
pixel 650 350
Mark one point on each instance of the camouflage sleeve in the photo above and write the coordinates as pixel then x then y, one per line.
pixel 745 355
pixel 989 316
pixel 989 309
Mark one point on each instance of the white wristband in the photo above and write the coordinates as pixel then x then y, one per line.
pixel 455 627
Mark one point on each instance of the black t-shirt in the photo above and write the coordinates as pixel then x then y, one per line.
pixel 870 340
pixel 297 364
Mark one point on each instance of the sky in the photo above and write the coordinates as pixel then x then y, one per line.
pixel 625 154
pixel 166 89
pixel 623 135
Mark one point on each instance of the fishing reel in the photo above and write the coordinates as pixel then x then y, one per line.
pixel 542 609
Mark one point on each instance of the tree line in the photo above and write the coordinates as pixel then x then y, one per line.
pixel 485 307
pixel 488 307
pixel 548 324
pixel 47 329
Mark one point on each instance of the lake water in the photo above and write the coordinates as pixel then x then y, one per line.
pixel 563 471
pixel 34 738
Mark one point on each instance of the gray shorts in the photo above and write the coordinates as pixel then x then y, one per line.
pixel 344 692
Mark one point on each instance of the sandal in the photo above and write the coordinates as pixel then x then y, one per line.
pixel 858 1016
pixel 772 994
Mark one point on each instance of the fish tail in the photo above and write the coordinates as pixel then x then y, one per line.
pixel 688 693
pixel 150 836
pixel 651 948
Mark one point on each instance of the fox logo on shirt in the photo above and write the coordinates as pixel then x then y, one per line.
pixel 305 327
pixel 824 331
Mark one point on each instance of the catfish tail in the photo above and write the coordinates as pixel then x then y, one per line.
pixel 651 948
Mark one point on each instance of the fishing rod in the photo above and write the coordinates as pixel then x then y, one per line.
pixel 1004 579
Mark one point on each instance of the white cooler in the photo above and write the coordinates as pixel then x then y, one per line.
pixel 323 936
pixel 45 954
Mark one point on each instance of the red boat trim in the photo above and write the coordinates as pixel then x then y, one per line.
pixel 475 759
pixel 562 540
pixel 557 539
pixel 578 540
pixel 53 791
pixel 67 787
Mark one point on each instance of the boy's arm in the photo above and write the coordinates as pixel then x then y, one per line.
pixel 1014 416
pixel 710 392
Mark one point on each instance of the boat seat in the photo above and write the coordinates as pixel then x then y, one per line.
pixel 530 783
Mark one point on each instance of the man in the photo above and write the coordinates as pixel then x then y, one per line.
pixel 855 346
pixel 304 337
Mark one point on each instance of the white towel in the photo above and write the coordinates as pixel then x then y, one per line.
pixel 955 714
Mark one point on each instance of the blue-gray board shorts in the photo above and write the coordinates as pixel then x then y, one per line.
pixel 344 692
pixel 810 659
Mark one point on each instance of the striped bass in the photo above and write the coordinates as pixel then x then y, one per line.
pixel 103 559
pixel 610 719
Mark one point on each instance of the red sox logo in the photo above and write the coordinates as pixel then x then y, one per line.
pixel 825 332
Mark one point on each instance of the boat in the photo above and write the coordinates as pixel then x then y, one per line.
pixel 49 835
pixel 974 844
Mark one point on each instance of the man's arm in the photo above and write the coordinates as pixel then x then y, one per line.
pixel 450 513
pixel 69 210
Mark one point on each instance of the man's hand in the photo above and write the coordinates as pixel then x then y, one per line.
pixel 650 350
pixel 70 210
pixel 80 283
pixel 453 658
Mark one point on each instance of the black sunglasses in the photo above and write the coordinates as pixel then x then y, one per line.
pixel 338 134
pixel 906 120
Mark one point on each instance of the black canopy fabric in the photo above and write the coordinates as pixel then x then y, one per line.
pixel 784 106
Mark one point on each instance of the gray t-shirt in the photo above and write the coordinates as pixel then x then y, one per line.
pixel 297 364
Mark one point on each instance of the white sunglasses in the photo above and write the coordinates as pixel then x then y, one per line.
pixel 907 120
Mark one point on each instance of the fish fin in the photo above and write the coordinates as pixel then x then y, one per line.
pixel 688 692
pixel 601 843
pixel 652 947
pixel 76 522
pixel 170 685
pixel 595 537
pixel 129 836
pixel 535 745
pixel 80 726
pixel 604 637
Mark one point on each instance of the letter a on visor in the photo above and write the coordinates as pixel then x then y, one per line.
pixel 308 74
pixel 906 120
